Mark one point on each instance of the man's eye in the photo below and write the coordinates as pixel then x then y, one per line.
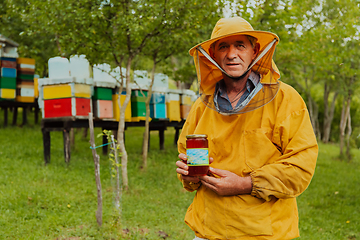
pixel 240 46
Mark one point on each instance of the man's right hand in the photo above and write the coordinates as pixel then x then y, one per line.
pixel 182 168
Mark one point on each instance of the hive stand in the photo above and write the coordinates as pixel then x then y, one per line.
pixel 66 124
pixel 15 105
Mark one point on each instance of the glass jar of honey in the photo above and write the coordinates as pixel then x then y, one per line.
pixel 197 151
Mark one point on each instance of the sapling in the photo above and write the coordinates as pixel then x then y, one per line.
pixel 114 168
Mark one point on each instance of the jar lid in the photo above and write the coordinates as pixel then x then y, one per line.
pixel 196 136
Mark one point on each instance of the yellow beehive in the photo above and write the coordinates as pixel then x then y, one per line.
pixel 29 61
pixel 36 86
pixel 116 109
pixel 7 93
pixel 66 91
pixel 186 102
pixel 173 105
pixel 25 99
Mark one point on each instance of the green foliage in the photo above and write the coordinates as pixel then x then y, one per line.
pixel 318 53
pixel 33 41
pixel 106 31
pixel 114 164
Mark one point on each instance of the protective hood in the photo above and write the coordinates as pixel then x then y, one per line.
pixel 209 73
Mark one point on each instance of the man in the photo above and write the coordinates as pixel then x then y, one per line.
pixel 262 146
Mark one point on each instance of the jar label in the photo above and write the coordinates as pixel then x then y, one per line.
pixel 197 156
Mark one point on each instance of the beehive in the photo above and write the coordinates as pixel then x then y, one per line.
pixel 158 104
pixel 116 110
pixel 138 106
pixel 25 89
pixel 102 100
pixel 7 94
pixel 66 97
pixel 7 78
pixel 7 82
pixel 173 105
pixel 8 72
pixel 187 97
pixel 36 86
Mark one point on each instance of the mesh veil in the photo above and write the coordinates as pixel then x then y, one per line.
pixel 209 73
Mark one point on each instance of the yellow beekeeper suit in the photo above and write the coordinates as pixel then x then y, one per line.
pixel 274 144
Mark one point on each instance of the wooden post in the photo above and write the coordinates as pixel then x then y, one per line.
pixel 97 170
pixel 36 112
pixel 46 144
pixel 66 136
pixel 105 141
pixel 177 132
pixel 24 122
pixel 162 138
pixel 15 112
pixel 5 116
pixel 118 186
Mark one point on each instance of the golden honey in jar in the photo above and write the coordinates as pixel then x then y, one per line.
pixel 197 151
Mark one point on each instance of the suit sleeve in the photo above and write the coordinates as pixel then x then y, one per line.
pixel 291 174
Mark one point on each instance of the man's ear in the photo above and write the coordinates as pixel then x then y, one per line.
pixel 256 49
pixel 212 54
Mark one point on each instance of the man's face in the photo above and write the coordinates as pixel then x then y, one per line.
pixel 234 54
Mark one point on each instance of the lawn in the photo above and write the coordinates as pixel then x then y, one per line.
pixel 329 208
pixel 58 201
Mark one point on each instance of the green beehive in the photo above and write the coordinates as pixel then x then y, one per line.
pixel 101 93
pixel 7 82
pixel 26 76
pixel 138 107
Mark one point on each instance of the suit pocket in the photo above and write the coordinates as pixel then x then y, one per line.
pixel 259 150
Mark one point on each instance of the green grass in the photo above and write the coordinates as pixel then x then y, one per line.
pixel 330 207
pixel 59 201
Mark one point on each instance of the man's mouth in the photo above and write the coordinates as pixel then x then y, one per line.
pixel 232 64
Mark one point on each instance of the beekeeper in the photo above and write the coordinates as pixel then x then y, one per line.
pixel 262 146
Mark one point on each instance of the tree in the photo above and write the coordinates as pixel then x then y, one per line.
pixel 310 53
pixel 33 43
pixel 170 41
pixel 294 56
pixel 116 32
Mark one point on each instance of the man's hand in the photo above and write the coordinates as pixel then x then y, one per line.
pixel 183 168
pixel 228 183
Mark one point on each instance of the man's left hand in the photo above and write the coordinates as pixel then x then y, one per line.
pixel 227 183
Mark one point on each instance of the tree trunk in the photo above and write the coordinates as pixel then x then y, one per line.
pixel 312 107
pixel 147 120
pixel 348 135
pixel 326 131
pixel 345 111
pixel 350 92
pixel 313 112
pixel 97 171
pixel 121 128
pixel 328 113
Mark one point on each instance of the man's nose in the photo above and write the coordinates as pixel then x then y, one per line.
pixel 232 52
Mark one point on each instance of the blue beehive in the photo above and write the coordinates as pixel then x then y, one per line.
pixel 8 72
pixel 158 104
